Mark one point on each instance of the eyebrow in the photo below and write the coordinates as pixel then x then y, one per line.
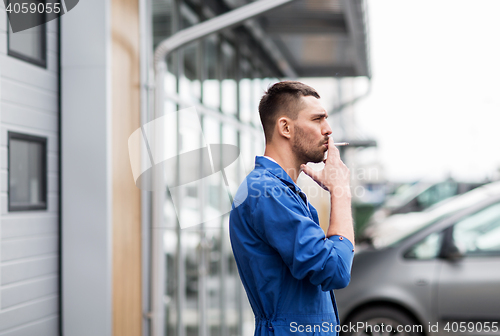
pixel 320 115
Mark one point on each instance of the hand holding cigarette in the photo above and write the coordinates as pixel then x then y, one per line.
pixel 335 174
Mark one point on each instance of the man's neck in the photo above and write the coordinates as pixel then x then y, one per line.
pixel 285 160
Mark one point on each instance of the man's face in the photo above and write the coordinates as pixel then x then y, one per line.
pixel 310 131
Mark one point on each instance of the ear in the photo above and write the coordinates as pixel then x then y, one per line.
pixel 284 127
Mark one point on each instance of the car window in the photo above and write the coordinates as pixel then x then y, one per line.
pixel 427 248
pixel 400 236
pixel 479 233
pixel 437 193
pixel 403 195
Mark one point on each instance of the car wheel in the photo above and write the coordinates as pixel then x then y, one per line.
pixel 381 321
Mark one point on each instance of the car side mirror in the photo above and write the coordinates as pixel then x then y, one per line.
pixel 451 252
pixel 417 205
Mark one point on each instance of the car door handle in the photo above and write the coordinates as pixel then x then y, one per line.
pixel 421 282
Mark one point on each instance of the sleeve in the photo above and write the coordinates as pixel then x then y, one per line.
pixel 301 242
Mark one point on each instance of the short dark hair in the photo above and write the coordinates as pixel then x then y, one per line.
pixel 282 98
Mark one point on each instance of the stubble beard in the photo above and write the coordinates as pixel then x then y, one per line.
pixel 306 150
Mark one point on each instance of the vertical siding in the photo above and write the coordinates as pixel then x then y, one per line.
pixel 29 239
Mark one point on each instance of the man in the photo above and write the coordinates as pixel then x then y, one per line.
pixel 287 265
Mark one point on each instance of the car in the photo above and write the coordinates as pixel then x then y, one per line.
pixel 418 197
pixel 395 226
pixel 442 277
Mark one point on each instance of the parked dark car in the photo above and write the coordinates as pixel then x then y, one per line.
pixel 443 275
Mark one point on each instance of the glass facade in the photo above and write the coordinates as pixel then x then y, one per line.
pixel 203 292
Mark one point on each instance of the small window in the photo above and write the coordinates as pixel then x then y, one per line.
pixel 30 44
pixel 27 172
pixel 479 233
pixel 427 248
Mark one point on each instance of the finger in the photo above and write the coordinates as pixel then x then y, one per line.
pixel 333 152
pixel 313 174
pixel 310 172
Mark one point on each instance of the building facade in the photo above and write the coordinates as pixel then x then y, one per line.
pixel 30 217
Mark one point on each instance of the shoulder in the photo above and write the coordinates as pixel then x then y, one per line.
pixel 259 188
pixel 263 185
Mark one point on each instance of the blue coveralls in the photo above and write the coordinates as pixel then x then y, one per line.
pixel 286 264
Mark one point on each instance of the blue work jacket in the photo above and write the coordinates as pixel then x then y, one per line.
pixel 286 264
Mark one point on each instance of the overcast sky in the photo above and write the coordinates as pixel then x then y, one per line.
pixel 435 102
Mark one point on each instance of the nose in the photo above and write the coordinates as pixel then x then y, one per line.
pixel 327 130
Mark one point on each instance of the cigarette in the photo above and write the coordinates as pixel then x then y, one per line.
pixel 340 143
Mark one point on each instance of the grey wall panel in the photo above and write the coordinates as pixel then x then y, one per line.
pixel 44 327
pixel 29 96
pixel 52 42
pixel 86 166
pixel 15 115
pixel 17 293
pixel 32 119
pixel 86 205
pixel 53 184
pixel 53 206
pixel 52 64
pixel 26 313
pixel 17 70
pixel 25 225
pixel 52 27
pixel 3 44
pixel 4 180
pixel 29 247
pixel 28 269
pixel 3 18
pixel 52 162
pixel 3 154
